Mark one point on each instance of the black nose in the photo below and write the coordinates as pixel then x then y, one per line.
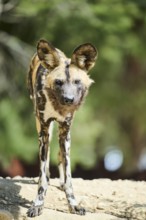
pixel 68 100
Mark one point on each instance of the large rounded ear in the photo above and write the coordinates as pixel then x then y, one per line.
pixel 84 56
pixel 47 54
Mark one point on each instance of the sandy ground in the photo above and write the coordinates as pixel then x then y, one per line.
pixel 103 199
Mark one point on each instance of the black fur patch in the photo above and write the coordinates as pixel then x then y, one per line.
pixel 47 178
pixel 67 71
pixel 29 82
pixel 40 174
pixel 39 74
pixel 43 152
pixel 50 120
pixel 40 190
pixel 41 101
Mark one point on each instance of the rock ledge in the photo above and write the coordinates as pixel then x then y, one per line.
pixel 103 199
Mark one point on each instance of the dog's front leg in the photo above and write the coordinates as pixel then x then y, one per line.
pixel 64 141
pixel 37 206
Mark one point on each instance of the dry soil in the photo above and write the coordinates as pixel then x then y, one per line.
pixel 103 199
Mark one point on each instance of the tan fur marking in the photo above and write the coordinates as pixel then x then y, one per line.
pixel 38 125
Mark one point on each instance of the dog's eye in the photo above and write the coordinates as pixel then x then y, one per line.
pixel 58 82
pixel 77 81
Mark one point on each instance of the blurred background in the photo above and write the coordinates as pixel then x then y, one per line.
pixel 109 131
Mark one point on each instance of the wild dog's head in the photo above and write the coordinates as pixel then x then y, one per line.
pixel 67 81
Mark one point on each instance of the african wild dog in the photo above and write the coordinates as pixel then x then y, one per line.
pixel 57 87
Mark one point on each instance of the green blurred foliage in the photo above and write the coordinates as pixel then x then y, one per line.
pixel 114 113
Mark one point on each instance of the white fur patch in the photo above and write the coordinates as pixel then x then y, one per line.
pixel 61 174
pixel 51 130
pixel 67 145
pixel 82 60
pixel 38 202
pixel 72 202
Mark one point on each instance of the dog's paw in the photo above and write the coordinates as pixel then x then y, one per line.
pixel 77 210
pixel 34 210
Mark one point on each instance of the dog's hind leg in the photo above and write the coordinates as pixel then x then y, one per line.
pixel 64 140
pixel 61 170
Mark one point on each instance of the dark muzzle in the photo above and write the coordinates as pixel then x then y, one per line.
pixel 68 101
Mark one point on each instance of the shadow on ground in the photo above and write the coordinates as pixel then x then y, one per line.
pixel 10 199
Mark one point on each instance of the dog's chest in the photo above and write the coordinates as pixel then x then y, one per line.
pixel 50 112
pixel 45 107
